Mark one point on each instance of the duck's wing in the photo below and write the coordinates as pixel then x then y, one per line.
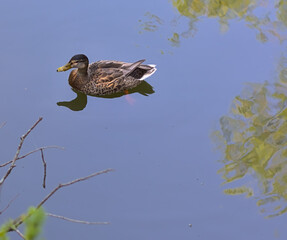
pixel 107 71
pixel 105 75
pixel 117 64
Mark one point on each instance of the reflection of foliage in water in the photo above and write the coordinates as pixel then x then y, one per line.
pixel 253 138
pixel 151 25
pixel 267 17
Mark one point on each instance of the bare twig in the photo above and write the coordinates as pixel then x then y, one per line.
pixel 18 221
pixel 45 168
pixel 22 139
pixel 19 233
pixel 27 154
pixel 75 220
pixel 39 149
pixel 8 205
pixel 70 183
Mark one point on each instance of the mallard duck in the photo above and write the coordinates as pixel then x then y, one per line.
pixel 105 77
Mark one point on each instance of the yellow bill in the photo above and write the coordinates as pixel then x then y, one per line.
pixel 64 68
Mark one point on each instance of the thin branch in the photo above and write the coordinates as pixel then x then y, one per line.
pixel 39 149
pixel 22 139
pixel 70 183
pixel 18 221
pixel 45 168
pixel 19 233
pixel 27 154
pixel 75 220
pixel 8 205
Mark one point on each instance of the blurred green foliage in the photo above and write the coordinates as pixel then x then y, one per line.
pixel 4 229
pixel 33 220
pixel 253 139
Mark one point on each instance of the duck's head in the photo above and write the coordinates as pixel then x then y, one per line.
pixel 79 61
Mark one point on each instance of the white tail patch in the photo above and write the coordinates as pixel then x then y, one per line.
pixel 150 72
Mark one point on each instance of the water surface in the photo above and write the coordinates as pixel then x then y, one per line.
pixel 220 83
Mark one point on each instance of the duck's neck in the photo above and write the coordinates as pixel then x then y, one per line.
pixel 83 71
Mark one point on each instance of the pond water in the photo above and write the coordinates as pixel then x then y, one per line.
pixel 199 150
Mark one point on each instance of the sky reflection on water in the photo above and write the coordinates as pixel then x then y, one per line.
pixel 166 169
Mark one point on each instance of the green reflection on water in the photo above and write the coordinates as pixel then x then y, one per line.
pixel 253 139
pixel 267 17
pixel 80 102
pixel 151 24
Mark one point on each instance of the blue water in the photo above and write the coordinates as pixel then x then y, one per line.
pixel 165 162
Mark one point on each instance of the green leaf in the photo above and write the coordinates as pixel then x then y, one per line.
pixel 34 222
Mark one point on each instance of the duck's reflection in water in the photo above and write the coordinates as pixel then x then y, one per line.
pixel 80 102
pixel 77 104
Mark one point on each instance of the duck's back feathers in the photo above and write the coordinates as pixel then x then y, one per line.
pixel 105 70
pixel 131 67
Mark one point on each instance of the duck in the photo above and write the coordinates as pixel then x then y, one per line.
pixel 105 77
